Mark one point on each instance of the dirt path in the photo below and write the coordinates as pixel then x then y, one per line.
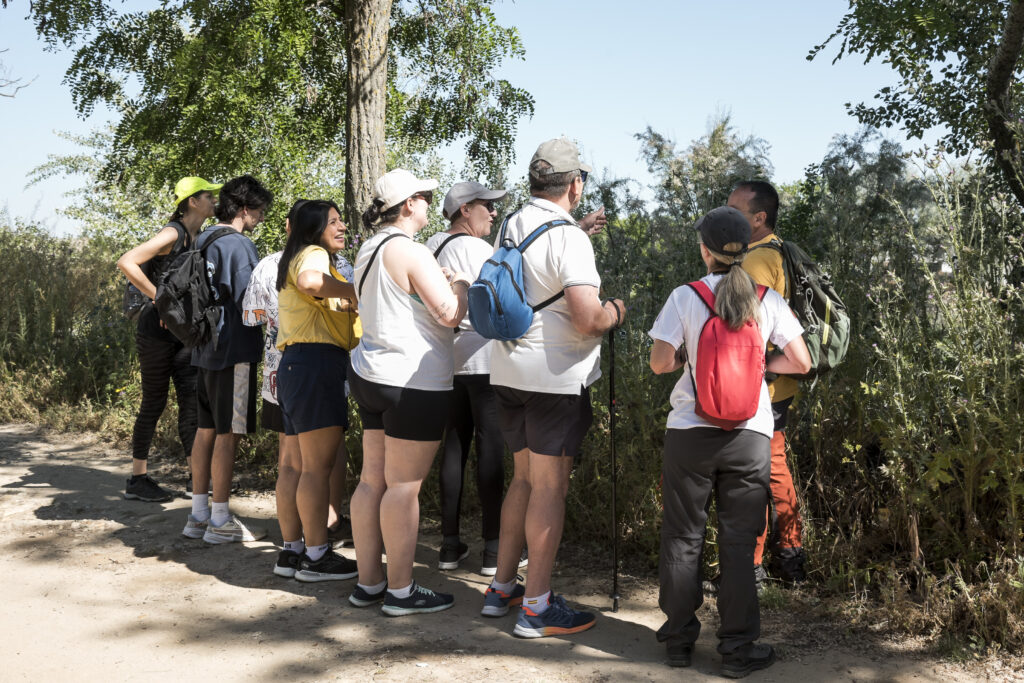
pixel 99 588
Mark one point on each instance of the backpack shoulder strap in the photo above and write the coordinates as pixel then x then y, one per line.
pixel 761 292
pixel 444 244
pixel 705 294
pixel 373 256
pixel 217 234
pixel 531 238
pixel 182 236
pixel 775 243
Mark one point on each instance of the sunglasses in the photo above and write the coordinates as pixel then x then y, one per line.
pixel 488 204
pixel 428 197
pixel 583 175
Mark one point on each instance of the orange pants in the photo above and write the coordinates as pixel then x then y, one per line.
pixel 787 510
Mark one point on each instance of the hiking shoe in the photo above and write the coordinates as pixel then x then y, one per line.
pixel 451 555
pixel 194 528
pixel 361 598
pixel 489 563
pixel 420 600
pixel 747 660
pixel 679 655
pixel 287 563
pixel 330 567
pixel 558 619
pixel 760 581
pixel 497 603
pixel 232 531
pixel 788 565
pixel 341 533
pixel 144 488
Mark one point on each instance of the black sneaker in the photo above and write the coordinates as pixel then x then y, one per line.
pixel 747 660
pixel 287 563
pixel 341 533
pixel 330 567
pixel 419 601
pixel 489 563
pixel 788 565
pixel 361 598
pixel 679 655
pixel 451 555
pixel 144 488
pixel 760 581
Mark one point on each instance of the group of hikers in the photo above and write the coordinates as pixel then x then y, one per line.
pixel 393 329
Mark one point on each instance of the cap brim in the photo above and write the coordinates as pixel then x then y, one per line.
pixel 426 186
pixel 586 167
pixel 215 188
pixel 492 194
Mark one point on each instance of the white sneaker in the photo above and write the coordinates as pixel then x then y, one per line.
pixel 233 531
pixel 194 528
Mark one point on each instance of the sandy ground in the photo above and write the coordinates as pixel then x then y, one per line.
pixel 99 588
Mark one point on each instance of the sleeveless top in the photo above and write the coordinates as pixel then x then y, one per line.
pixel 402 344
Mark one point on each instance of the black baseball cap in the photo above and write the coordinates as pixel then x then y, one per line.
pixel 723 226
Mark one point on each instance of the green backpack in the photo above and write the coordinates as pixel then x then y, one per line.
pixel 819 309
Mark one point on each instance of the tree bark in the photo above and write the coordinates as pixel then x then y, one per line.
pixel 367 23
pixel 997 99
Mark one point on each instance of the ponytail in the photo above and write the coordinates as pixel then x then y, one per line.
pixel 374 215
pixel 736 300
pixel 180 210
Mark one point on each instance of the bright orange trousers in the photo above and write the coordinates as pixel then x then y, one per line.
pixel 786 509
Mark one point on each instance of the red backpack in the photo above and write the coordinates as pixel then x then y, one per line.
pixel 730 366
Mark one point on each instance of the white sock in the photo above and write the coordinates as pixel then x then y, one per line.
pixel 373 590
pixel 295 546
pixel 505 588
pixel 539 604
pixel 402 593
pixel 201 506
pixel 315 552
pixel 221 515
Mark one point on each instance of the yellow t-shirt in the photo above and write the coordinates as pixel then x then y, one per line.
pixel 307 319
pixel 765 266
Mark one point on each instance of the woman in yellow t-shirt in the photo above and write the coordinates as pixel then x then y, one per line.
pixel 318 326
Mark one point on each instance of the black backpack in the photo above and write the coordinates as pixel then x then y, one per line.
pixel 185 298
pixel 818 307
pixel 134 301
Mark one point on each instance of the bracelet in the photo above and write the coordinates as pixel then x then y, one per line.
pixel 618 314
pixel 462 282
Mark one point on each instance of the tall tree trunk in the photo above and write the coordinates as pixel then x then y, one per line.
pixel 367 23
pixel 997 99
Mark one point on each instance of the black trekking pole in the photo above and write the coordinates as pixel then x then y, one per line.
pixel 615 467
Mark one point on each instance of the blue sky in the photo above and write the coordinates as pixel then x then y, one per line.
pixel 600 72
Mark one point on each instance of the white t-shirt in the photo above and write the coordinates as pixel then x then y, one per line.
pixel 259 307
pixel 466 254
pixel 680 322
pixel 552 357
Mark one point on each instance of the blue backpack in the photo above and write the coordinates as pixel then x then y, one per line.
pixel 497 300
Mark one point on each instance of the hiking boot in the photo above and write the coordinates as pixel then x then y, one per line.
pixel 679 655
pixel 144 488
pixel 451 555
pixel 788 565
pixel 419 601
pixel 232 531
pixel 760 580
pixel 287 563
pixel 194 528
pixel 360 598
pixel 747 659
pixel 341 533
pixel 497 603
pixel 330 567
pixel 489 563
pixel 558 619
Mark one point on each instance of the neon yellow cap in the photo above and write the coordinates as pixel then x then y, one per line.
pixel 189 186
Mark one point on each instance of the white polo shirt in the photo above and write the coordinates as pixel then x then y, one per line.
pixel 552 357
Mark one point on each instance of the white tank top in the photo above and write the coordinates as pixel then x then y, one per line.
pixel 402 344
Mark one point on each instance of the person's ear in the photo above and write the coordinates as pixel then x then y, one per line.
pixel 464 210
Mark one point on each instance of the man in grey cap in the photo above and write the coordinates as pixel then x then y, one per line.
pixel 473 409
pixel 541 382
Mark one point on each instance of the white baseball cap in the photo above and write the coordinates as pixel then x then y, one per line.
pixel 394 187
pixel 464 193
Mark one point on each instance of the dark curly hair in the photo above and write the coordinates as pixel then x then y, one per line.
pixel 243 192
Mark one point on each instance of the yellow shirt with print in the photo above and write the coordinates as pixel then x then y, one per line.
pixel 306 319
pixel 765 266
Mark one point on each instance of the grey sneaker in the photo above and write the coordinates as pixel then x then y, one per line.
pixel 194 528
pixel 233 531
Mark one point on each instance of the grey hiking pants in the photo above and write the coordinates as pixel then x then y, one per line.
pixel 735 466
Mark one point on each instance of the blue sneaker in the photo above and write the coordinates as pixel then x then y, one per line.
pixel 558 619
pixel 496 602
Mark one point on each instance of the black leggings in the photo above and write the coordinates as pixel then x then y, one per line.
pixel 162 361
pixel 473 405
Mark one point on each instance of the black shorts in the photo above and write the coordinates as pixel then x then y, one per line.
pixel 412 414
pixel 226 399
pixel 271 418
pixel 311 387
pixel 548 424
pixel 780 413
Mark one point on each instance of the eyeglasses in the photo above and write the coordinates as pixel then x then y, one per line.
pixel 583 175
pixel 488 204
pixel 428 197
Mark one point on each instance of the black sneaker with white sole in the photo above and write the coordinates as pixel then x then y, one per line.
pixel 340 535
pixel 451 555
pixel 141 487
pixel 287 563
pixel 489 563
pixel 421 600
pixel 330 567
pixel 361 598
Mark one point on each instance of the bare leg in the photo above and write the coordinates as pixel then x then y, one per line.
pixel 202 456
pixel 338 484
pixel 545 517
pixel 513 519
pixel 365 509
pixel 406 463
pixel 222 465
pixel 289 467
pixel 317 449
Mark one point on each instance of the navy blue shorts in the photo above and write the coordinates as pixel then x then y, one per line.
pixel 311 387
